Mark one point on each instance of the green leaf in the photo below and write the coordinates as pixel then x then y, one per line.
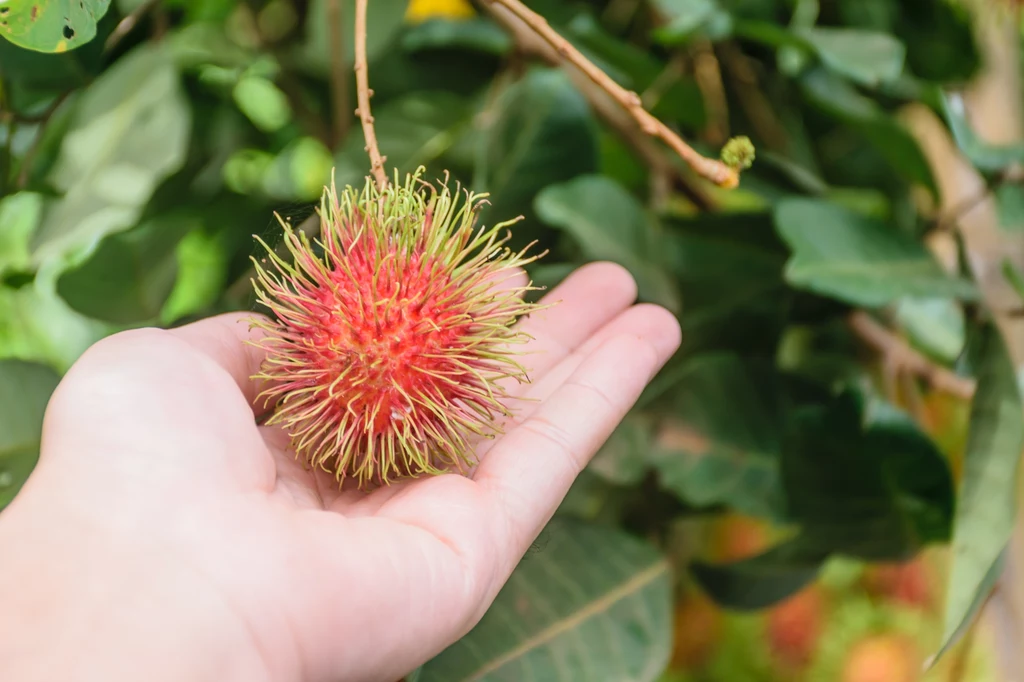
pixel 1010 206
pixel 384 20
pixel 723 444
pixel 935 325
pixel 51 25
pixel 986 506
pixel 870 486
pixel 887 136
pixel 685 18
pixel 763 580
pixel 623 459
pixel 986 157
pixel 729 268
pixel 202 273
pixel 591 603
pixel 19 216
pixel 130 132
pixel 858 259
pixel 27 73
pixel 865 57
pixel 414 130
pixel 37 325
pixel 262 102
pixel 541 133
pixel 680 99
pixel 130 275
pixel 608 223
pixel 478 34
pixel 25 389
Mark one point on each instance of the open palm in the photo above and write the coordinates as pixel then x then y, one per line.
pixel 152 459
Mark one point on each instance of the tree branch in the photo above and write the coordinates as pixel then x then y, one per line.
pixel 662 169
pixel 900 355
pixel 714 170
pixel 363 94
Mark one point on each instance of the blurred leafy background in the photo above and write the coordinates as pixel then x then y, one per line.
pixel 820 486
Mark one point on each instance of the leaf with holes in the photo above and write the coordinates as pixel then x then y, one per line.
pixel 51 25
pixel 591 603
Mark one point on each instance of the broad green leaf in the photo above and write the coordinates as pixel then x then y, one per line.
pixel 684 18
pixel 763 580
pixel 27 73
pixel 858 259
pixel 202 272
pixel 986 506
pixel 37 325
pixel 1010 206
pixel 590 603
pixel 865 57
pixel 723 444
pixel 729 268
pixel 624 457
pixel 130 132
pixel 870 485
pixel 412 131
pixel 986 157
pixel 941 42
pixel 130 275
pixel 935 325
pixel 299 172
pixel 25 389
pixel 19 216
pixel 679 99
pixel 479 34
pixel 51 25
pixel 541 133
pixel 262 102
pixel 383 22
pixel 608 223
pixel 886 135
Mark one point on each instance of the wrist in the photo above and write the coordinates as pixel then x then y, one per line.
pixel 81 602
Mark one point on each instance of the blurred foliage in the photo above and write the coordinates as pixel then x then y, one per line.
pixel 144 142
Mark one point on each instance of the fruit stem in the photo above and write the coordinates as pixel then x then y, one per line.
pixel 714 170
pixel 363 94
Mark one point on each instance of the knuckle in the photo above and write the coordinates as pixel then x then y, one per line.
pixel 556 436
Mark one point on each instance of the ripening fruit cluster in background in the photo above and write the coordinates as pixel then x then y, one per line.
pixel 857 623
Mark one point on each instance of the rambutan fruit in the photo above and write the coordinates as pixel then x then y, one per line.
pixel 391 351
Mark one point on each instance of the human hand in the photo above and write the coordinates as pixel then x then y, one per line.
pixel 164 535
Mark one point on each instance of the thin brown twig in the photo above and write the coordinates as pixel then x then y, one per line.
pixel 751 96
pixel 708 74
pixel 339 74
pixel 900 355
pixel 714 170
pixel 125 26
pixel 30 153
pixel 664 172
pixel 363 94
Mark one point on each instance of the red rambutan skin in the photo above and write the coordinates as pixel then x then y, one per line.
pixel 391 351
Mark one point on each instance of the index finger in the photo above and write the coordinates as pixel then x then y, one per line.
pixel 530 470
pixel 230 341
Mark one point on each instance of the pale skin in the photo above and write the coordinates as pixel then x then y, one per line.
pixel 164 535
